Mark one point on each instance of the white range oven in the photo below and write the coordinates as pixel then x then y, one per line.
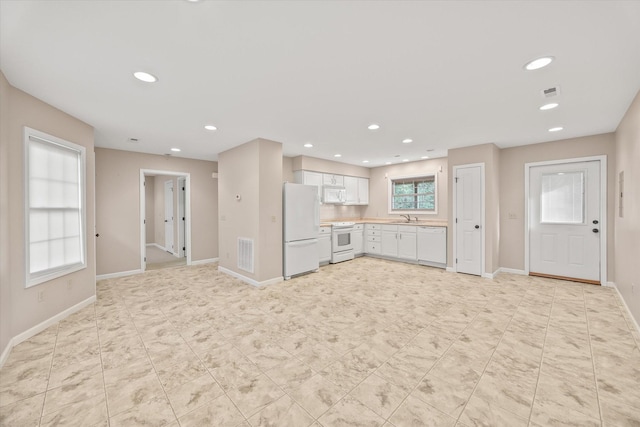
pixel 341 241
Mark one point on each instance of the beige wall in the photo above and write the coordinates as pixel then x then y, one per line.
pixel 379 187
pixel 287 169
pixel 512 201
pixel 20 307
pixel 627 227
pixel 118 206
pixel 149 210
pixel 489 155
pixel 254 172
pixel 5 261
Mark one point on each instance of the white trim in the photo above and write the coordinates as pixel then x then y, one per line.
pixel 42 326
pixel 633 319
pixel 205 261
pixel 450 270
pixel 118 274
pixel 609 285
pixel 187 211
pixel 163 249
pixel 603 207
pixel 249 280
pixel 512 271
pixel 390 180
pixel 482 221
pixel 491 275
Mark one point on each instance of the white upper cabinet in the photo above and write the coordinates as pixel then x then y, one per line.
pixel 357 190
pixel 309 178
pixel 331 179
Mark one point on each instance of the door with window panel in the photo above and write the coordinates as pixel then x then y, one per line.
pixel 564 221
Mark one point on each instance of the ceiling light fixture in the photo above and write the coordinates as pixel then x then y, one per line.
pixel 337 155
pixel 536 64
pixel 210 127
pixel 308 145
pixel 405 160
pixel 365 161
pixel 175 149
pixel 550 106
pixel 387 163
pixel 407 141
pixel 424 157
pixel 145 77
pixel 373 126
pixel 556 129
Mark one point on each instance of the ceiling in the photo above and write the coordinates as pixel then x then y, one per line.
pixel 444 74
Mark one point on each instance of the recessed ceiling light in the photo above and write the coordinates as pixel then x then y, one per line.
pixel 538 63
pixel 337 155
pixel 308 145
pixel 175 149
pixel 387 163
pixel 145 77
pixel 365 161
pixel 407 141
pixel 210 127
pixel 424 157
pixel 373 126
pixel 556 129
pixel 405 160
pixel 550 106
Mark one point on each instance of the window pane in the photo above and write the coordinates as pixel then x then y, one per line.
pixel 403 202
pixel 38 257
pixel 562 198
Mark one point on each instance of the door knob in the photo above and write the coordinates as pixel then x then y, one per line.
pixel 98 235
pixel 595 221
pixel 595 230
pixel 477 226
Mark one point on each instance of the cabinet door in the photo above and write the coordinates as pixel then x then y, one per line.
pixel 407 246
pixel 363 191
pixel 313 178
pixel 389 243
pixel 351 185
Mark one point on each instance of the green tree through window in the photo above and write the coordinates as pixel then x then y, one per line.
pixel 417 194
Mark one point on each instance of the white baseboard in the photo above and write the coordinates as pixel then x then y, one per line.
pixel 511 271
pixel 205 261
pixel 450 270
pixel 42 326
pixel 635 323
pixel 609 285
pixel 118 274
pixel 249 280
pixel 491 275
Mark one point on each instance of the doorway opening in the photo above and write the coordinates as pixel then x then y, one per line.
pixel 165 219
pixel 566 223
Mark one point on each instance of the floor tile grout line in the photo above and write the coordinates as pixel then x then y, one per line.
pixel 593 359
pixel 46 390
pixel 104 382
pixel 544 344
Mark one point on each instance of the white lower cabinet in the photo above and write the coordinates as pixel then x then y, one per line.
pixel 373 239
pixel 324 245
pixel 358 239
pixel 399 241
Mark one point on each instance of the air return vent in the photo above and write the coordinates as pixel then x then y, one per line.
pixel 551 92
pixel 245 254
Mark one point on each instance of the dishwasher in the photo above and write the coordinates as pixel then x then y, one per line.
pixel 432 246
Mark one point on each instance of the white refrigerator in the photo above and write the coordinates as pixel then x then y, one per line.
pixel 301 225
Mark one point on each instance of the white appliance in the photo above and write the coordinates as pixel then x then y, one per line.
pixel 334 194
pixel 432 246
pixel 301 224
pixel 341 241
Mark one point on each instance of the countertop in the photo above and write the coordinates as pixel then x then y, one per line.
pixel 394 221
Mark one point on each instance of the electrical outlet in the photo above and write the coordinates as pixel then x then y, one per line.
pixel 69 284
pixel 40 296
pixel 633 289
pixel 273 218
pixel 512 215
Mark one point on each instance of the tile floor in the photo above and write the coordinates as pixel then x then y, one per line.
pixel 362 343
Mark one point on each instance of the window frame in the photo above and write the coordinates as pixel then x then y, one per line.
pixel 32 279
pixel 390 194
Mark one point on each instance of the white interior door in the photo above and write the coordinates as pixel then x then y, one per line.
pixel 564 220
pixel 468 217
pixel 168 216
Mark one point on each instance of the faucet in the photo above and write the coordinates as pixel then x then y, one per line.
pixel 407 217
pixel 416 218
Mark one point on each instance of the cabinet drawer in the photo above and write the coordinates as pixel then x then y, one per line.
pixel 373 238
pixel 393 228
pixel 358 227
pixel 374 232
pixel 373 247
pixel 373 226
pixel 325 230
